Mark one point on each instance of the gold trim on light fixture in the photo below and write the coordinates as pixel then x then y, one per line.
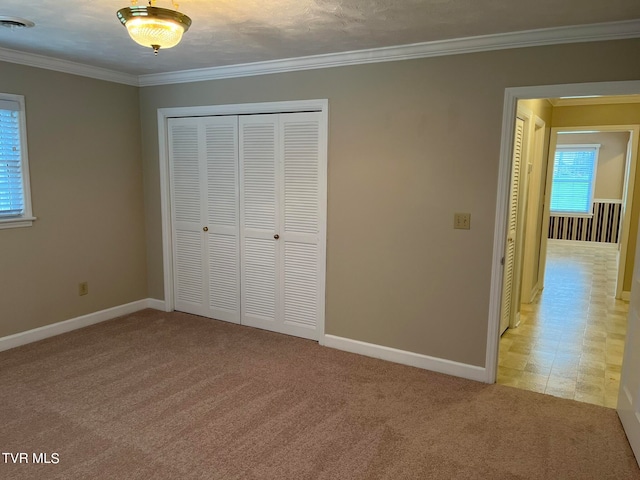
pixel 153 26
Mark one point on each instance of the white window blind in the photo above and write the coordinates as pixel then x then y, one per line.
pixel 15 196
pixel 11 185
pixel 574 175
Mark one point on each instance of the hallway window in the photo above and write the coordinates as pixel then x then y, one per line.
pixel 574 176
pixel 15 201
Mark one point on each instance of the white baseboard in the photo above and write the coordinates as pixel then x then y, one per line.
pixel 426 362
pixel 516 320
pixel 54 329
pixel 626 296
pixel 157 304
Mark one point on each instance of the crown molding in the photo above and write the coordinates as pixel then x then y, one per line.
pixel 596 100
pixel 456 46
pixel 530 38
pixel 65 66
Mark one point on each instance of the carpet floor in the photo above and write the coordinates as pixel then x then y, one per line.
pixel 156 395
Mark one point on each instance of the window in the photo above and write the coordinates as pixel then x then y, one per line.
pixel 574 178
pixel 15 197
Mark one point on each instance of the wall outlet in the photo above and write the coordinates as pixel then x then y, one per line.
pixel 83 288
pixel 462 221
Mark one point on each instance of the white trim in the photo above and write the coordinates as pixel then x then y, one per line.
pixel 65 66
pixel 157 304
pixel 607 200
pixel 54 329
pixel 511 96
pixel 418 360
pixel 27 218
pixel 500 233
pixel 313 105
pixel 482 43
pixel 16 222
pixel 565 102
pixel 582 243
pixel 455 46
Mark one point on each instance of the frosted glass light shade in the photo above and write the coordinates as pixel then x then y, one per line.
pixel 154 27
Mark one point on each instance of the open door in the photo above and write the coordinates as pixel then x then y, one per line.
pixel 509 280
pixel 629 395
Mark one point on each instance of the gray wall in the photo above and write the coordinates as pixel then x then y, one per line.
pixel 409 143
pixel 86 182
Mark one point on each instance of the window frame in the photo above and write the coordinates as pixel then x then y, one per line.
pixel 27 218
pixel 577 147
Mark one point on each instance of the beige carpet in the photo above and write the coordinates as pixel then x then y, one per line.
pixel 171 396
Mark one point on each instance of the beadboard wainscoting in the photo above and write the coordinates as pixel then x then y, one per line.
pixel 602 227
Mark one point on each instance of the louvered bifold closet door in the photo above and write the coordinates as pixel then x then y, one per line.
pixel 203 158
pixel 186 148
pixel 512 223
pixel 301 286
pixel 259 222
pixel 222 214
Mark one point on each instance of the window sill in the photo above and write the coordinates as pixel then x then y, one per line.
pixel 16 222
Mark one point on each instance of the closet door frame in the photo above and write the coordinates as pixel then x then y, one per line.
pixel 317 105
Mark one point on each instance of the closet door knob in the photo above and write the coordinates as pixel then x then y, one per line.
pixel 205 229
pixel 276 236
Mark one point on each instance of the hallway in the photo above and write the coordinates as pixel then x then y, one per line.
pixel 570 340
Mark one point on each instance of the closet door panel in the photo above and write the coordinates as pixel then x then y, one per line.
pixel 185 172
pixel 185 149
pixel 259 220
pixel 300 141
pixel 224 281
pixel 301 212
pixel 258 165
pixel 259 279
pixel 188 271
pixel 300 284
pixel 222 190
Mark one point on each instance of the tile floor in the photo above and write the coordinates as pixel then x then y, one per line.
pixel 571 338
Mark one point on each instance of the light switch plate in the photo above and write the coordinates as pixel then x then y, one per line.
pixel 462 221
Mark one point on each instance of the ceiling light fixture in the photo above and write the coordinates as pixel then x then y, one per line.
pixel 15 22
pixel 152 26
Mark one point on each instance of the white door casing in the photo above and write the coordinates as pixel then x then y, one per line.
pixel 627 205
pixel 249 193
pixel 533 216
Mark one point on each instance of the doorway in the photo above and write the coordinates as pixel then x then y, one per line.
pixel 570 331
pixel 512 95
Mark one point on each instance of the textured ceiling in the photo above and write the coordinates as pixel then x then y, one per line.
pixel 229 32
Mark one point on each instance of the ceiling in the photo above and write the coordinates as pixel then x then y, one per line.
pixel 231 32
